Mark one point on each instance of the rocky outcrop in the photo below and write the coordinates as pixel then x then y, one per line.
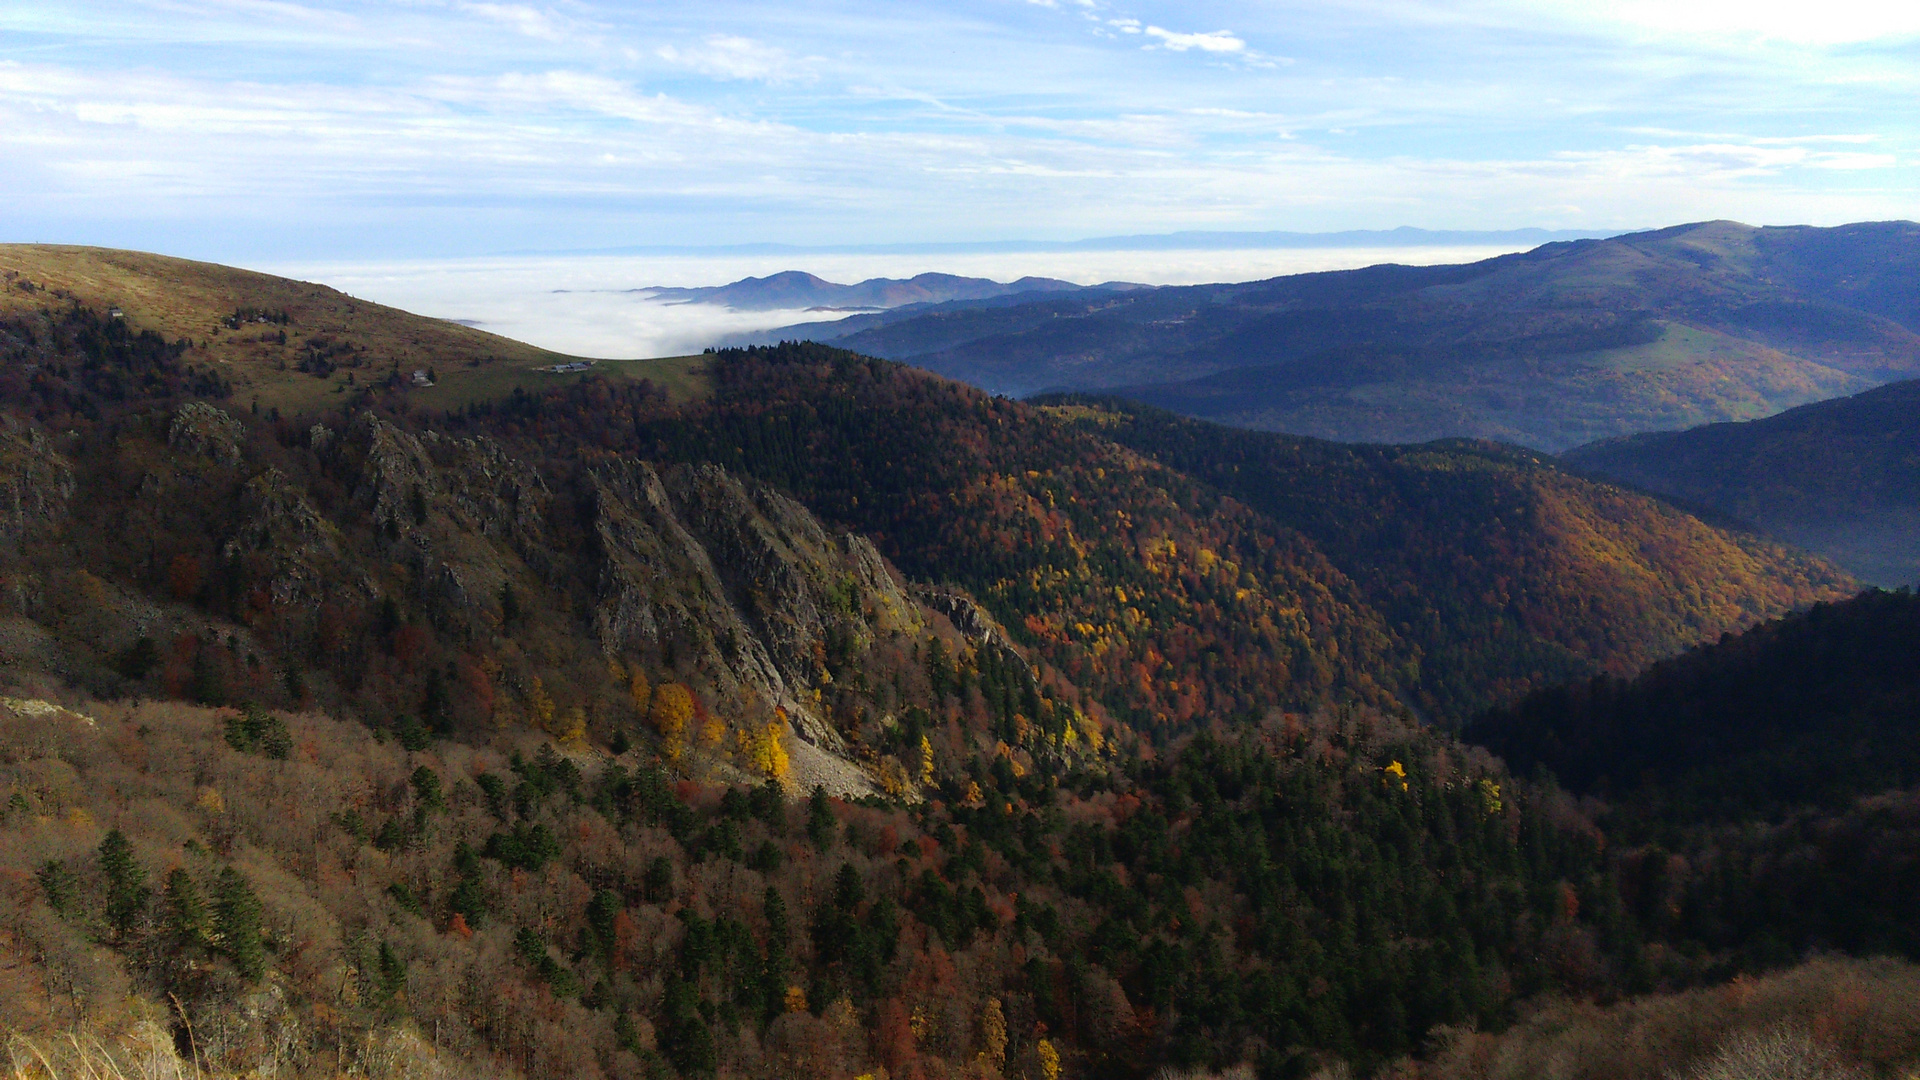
pixel 739 580
pixel 660 594
pixel 300 545
pixel 795 584
pixel 203 430
pixel 966 614
pixel 36 485
pixel 457 512
pixel 689 568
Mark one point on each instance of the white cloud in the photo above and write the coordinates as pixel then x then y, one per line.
pixel 965 121
pixel 1218 41
pixel 725 56
pixel 530 21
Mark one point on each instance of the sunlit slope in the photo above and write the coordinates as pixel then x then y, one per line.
pixel 294 345
pixel 1500 571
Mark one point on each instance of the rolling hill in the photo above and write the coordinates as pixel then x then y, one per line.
pixel 1553 348
pixel 1838 477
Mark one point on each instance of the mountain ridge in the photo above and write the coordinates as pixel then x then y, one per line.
pixel 1551 348
pixel 1836 476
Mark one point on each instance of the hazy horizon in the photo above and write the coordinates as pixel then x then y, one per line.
pixel 585 304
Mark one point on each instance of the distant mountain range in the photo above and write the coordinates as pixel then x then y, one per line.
pixel 1839 477
pixel 1553 348
pixel 793 289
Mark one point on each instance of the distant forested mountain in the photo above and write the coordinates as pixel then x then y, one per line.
pixel 1838 477
pixel 1556 347
pixel 795 289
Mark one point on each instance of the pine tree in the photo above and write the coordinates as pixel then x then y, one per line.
pixel 186 911
pixel 236 923
pixel 126 883
pixel 821 824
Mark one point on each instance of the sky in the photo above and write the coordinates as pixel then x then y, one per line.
pixel 277 131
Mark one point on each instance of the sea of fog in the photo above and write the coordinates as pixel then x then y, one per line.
pixel 591 305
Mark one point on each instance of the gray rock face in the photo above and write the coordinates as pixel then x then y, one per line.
pixel 793 583
pixel 967 616
pixel 36 485
pixel 301 546
pixel 733 579
pixel 205 431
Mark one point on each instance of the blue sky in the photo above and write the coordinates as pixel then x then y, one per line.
pixel 254 129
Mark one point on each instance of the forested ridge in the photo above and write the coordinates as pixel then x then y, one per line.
pixel 1135 550
pixel 1772 777
pixel 1803 710
pixel 1504 572
pixel 1837 477
pixel 842 722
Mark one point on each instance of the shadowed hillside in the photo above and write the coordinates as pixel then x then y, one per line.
pixel 1838 477
pixel 1763 791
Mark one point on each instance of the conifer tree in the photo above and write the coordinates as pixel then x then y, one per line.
pixel 186 911
pixel 236 923
pixel 126 883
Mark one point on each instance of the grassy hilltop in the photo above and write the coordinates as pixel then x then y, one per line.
pixel 294 345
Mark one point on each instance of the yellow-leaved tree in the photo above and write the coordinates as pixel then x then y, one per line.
pixel 993 1035
pixel 540 707
pixel 713 731
pixel 671 710
pixel 572 731
pixel 1049 1060
pixel 762 747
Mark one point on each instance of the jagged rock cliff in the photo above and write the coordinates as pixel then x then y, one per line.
pixel 687 571
pixel 36 483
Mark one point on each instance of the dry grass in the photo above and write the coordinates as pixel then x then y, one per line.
pixel 143 1053
pixel 1830 1019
